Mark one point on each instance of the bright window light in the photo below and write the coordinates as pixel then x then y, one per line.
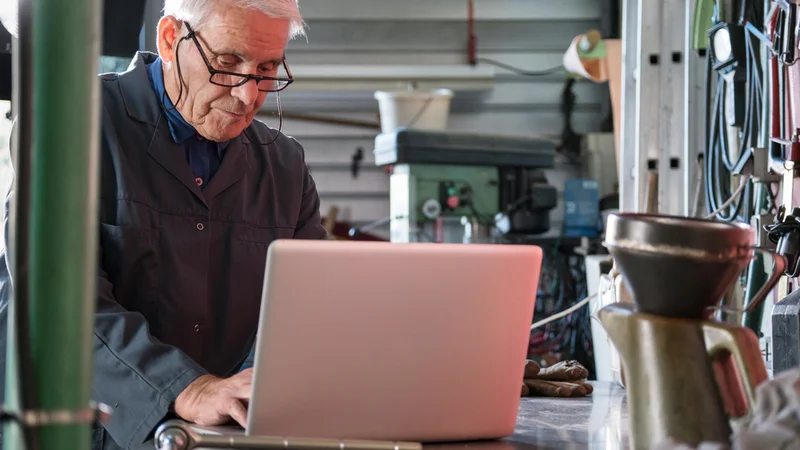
pixel 8 15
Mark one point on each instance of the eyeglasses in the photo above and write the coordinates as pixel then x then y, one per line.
pixel 232 79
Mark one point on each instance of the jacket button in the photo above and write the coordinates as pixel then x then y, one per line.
pixel 200 226
pixel 197 328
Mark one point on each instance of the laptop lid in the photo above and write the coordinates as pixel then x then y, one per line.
pixel 412 342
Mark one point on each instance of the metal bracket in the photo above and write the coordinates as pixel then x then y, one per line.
pixel 756 162
pixel 761 238
pixel 179 435
pixel 95 412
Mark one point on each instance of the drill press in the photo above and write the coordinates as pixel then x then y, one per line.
pixel 492 180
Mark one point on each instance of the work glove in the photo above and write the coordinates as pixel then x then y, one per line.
pixel 563 379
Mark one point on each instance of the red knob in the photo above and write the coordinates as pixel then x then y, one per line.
pixel 453 202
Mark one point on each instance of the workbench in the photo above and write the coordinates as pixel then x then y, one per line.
pixel 596 422
pixel 599 421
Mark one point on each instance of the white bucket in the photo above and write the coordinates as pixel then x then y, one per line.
pixel 425 110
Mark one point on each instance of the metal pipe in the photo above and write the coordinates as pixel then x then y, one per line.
pixel 178 435
pixel 63 226
pixel 20 392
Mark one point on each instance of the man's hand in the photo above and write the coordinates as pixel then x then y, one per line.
pixel 214 401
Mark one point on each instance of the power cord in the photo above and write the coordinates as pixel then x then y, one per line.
pixel 562 334
pixel 523 72
pixel 732 198
pixel 612 274
pixel 492 62
pixel 564 313
pixel 718 162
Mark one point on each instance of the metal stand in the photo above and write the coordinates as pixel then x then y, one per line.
pixel 179 435
pixel 662 113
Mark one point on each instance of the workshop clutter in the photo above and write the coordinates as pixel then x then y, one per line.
pixel 427 110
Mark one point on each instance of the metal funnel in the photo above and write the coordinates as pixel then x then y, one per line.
pixel 677 266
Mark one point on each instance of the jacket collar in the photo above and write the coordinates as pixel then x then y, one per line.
pixel 133 83
pixel 142 105
pixel 181 129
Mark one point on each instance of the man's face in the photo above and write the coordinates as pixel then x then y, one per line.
pixel 245 42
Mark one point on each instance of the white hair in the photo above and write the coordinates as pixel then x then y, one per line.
pixel 197 11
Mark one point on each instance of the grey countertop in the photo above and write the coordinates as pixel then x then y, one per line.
pixel 596 422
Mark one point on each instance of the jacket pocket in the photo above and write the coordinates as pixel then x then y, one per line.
pixel 130 260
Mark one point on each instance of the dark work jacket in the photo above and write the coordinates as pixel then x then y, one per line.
pixel 181 270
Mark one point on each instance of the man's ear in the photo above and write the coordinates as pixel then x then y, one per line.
pixel 169 29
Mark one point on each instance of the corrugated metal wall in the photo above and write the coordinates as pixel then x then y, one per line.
pixel 529 34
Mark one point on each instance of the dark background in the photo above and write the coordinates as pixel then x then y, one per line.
pixel 122 24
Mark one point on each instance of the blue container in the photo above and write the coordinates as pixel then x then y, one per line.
pixel 581 208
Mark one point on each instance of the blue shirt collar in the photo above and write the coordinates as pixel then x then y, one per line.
pixel 179 128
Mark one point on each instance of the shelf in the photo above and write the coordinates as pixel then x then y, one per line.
pixel 325 77
pixel 455 10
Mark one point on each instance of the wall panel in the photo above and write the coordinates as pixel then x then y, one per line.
pixel 529 34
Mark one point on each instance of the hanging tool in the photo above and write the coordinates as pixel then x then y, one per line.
pixel 785 233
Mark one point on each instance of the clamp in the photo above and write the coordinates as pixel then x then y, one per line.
pixel 180 435
pixel 785 233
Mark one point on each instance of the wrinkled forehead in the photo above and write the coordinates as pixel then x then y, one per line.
pixel 249 35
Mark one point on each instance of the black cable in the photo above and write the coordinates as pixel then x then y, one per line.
pixel 712 131
pixel 523 72
pixel 570 145
pixel 777 229
pixel 182 82
pixel 715 164
pixel 561 284
pixel 718 162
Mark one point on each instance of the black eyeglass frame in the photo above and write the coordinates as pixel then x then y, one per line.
pixel 245 77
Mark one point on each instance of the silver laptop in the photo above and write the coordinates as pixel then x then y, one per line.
pixel 407 342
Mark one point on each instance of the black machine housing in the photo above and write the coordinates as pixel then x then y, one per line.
pixel 526 199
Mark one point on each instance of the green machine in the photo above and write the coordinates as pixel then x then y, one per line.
pixel 476 182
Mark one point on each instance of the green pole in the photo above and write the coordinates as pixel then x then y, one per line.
pixel 63 213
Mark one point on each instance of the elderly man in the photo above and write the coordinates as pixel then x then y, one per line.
pixel 193 190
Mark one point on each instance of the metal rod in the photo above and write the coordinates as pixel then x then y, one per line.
pixel 178 435
pixel 332 120
pixel 20 392
pixel 63 232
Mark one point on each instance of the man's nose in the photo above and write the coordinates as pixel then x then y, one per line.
pixel 246 93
